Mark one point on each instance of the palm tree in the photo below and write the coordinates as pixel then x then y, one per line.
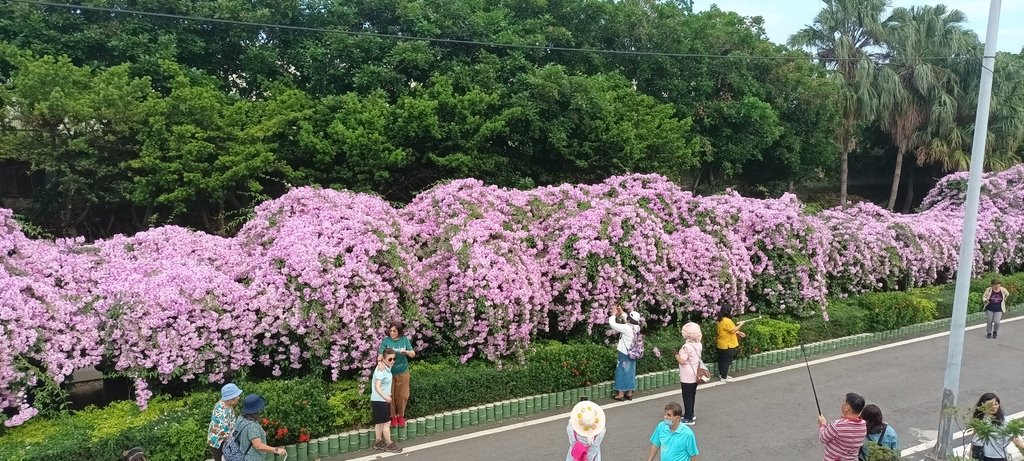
pixel 920 92
pixel 844 33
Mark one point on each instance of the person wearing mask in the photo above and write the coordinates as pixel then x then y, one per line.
pixel 222 420
pixel 397 341
pixel 252 436
pixel 844 436
pixel 878 432
pixel 673 439
pixel 728 341
pixel 586 430
pixel 992 447
pixel 380 403
pixel 625 367
pixel 689 362
pixel 994 299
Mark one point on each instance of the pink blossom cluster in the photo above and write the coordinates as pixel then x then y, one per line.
pixel 312 280
pixel 326 269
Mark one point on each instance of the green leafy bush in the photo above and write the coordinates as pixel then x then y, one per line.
pixel 549 367
pixel 877 452
pixel 888 311
pixel 348 405
pixel 845 318
pixel 294 412
pixel 768 335
pixel 660 347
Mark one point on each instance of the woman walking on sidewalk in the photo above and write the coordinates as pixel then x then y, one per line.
pixel 995 306
pixel 625 366
pixel 689 361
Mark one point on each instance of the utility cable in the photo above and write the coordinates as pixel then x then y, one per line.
pixel 447 41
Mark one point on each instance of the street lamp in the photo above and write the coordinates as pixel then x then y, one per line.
pixel 951 383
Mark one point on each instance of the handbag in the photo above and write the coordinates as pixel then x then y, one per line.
pixel 977 451
pixel 702 372
pixel 579 449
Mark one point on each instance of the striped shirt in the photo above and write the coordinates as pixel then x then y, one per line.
pixel 843 438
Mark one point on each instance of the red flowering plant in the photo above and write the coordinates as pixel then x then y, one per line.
pixel 294 412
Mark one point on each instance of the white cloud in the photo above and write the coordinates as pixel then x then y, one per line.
pixel 784 17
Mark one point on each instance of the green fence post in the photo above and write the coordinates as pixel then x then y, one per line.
pixel 333 447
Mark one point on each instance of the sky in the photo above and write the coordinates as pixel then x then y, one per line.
pixel 784 17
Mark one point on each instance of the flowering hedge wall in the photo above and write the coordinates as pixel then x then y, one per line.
pixel 312 279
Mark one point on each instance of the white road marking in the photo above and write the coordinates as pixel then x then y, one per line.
pixel 958 450
pixel 548 419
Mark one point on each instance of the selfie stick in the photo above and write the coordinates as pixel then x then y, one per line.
pixel 811 377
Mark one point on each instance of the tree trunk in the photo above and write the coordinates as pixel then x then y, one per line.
pixel 908 199
pixel 844 161
pixel 844 176
pixel 896 179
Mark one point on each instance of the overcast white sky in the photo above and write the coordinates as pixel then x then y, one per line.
pixel 784 17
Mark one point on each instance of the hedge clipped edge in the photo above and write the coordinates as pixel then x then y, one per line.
pixel 361 439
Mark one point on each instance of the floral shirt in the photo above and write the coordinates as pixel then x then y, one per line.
pixel 222 422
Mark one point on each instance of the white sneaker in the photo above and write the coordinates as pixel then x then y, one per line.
pixel 727 379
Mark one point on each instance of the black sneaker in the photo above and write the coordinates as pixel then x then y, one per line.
pixel 988 335
pixel 995 334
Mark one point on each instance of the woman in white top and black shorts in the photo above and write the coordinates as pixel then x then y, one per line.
pixel 625 367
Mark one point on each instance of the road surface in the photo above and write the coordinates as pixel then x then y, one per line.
pixel 770 414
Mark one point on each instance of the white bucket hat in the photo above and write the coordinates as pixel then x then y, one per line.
pixel 635 316
pixel 587 419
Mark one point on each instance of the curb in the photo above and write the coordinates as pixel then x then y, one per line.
pixel 361 439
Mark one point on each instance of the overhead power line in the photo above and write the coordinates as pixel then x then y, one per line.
pixel 442 41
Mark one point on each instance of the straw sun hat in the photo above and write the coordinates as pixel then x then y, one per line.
pixel 587 419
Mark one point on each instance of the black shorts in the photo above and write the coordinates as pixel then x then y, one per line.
pixel 381 412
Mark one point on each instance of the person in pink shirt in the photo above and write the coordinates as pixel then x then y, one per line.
pixel 689 361
pixel 844 437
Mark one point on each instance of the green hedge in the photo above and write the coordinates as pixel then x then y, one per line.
pixel 889 311
pixel 768 335
pixel 548 367
pixel 175 429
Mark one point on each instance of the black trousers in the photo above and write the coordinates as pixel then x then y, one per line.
pixel 725 357
pixel 689 399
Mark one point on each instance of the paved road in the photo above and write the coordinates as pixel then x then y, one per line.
pixel 770 415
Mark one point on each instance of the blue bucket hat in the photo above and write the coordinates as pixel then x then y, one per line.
pixel 229 391
pixel 253 403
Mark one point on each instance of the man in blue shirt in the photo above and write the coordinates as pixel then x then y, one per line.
pixel 674 439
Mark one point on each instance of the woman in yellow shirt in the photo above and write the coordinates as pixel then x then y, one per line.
pixel 729 335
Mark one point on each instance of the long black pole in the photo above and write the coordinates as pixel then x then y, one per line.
pixel 811 377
